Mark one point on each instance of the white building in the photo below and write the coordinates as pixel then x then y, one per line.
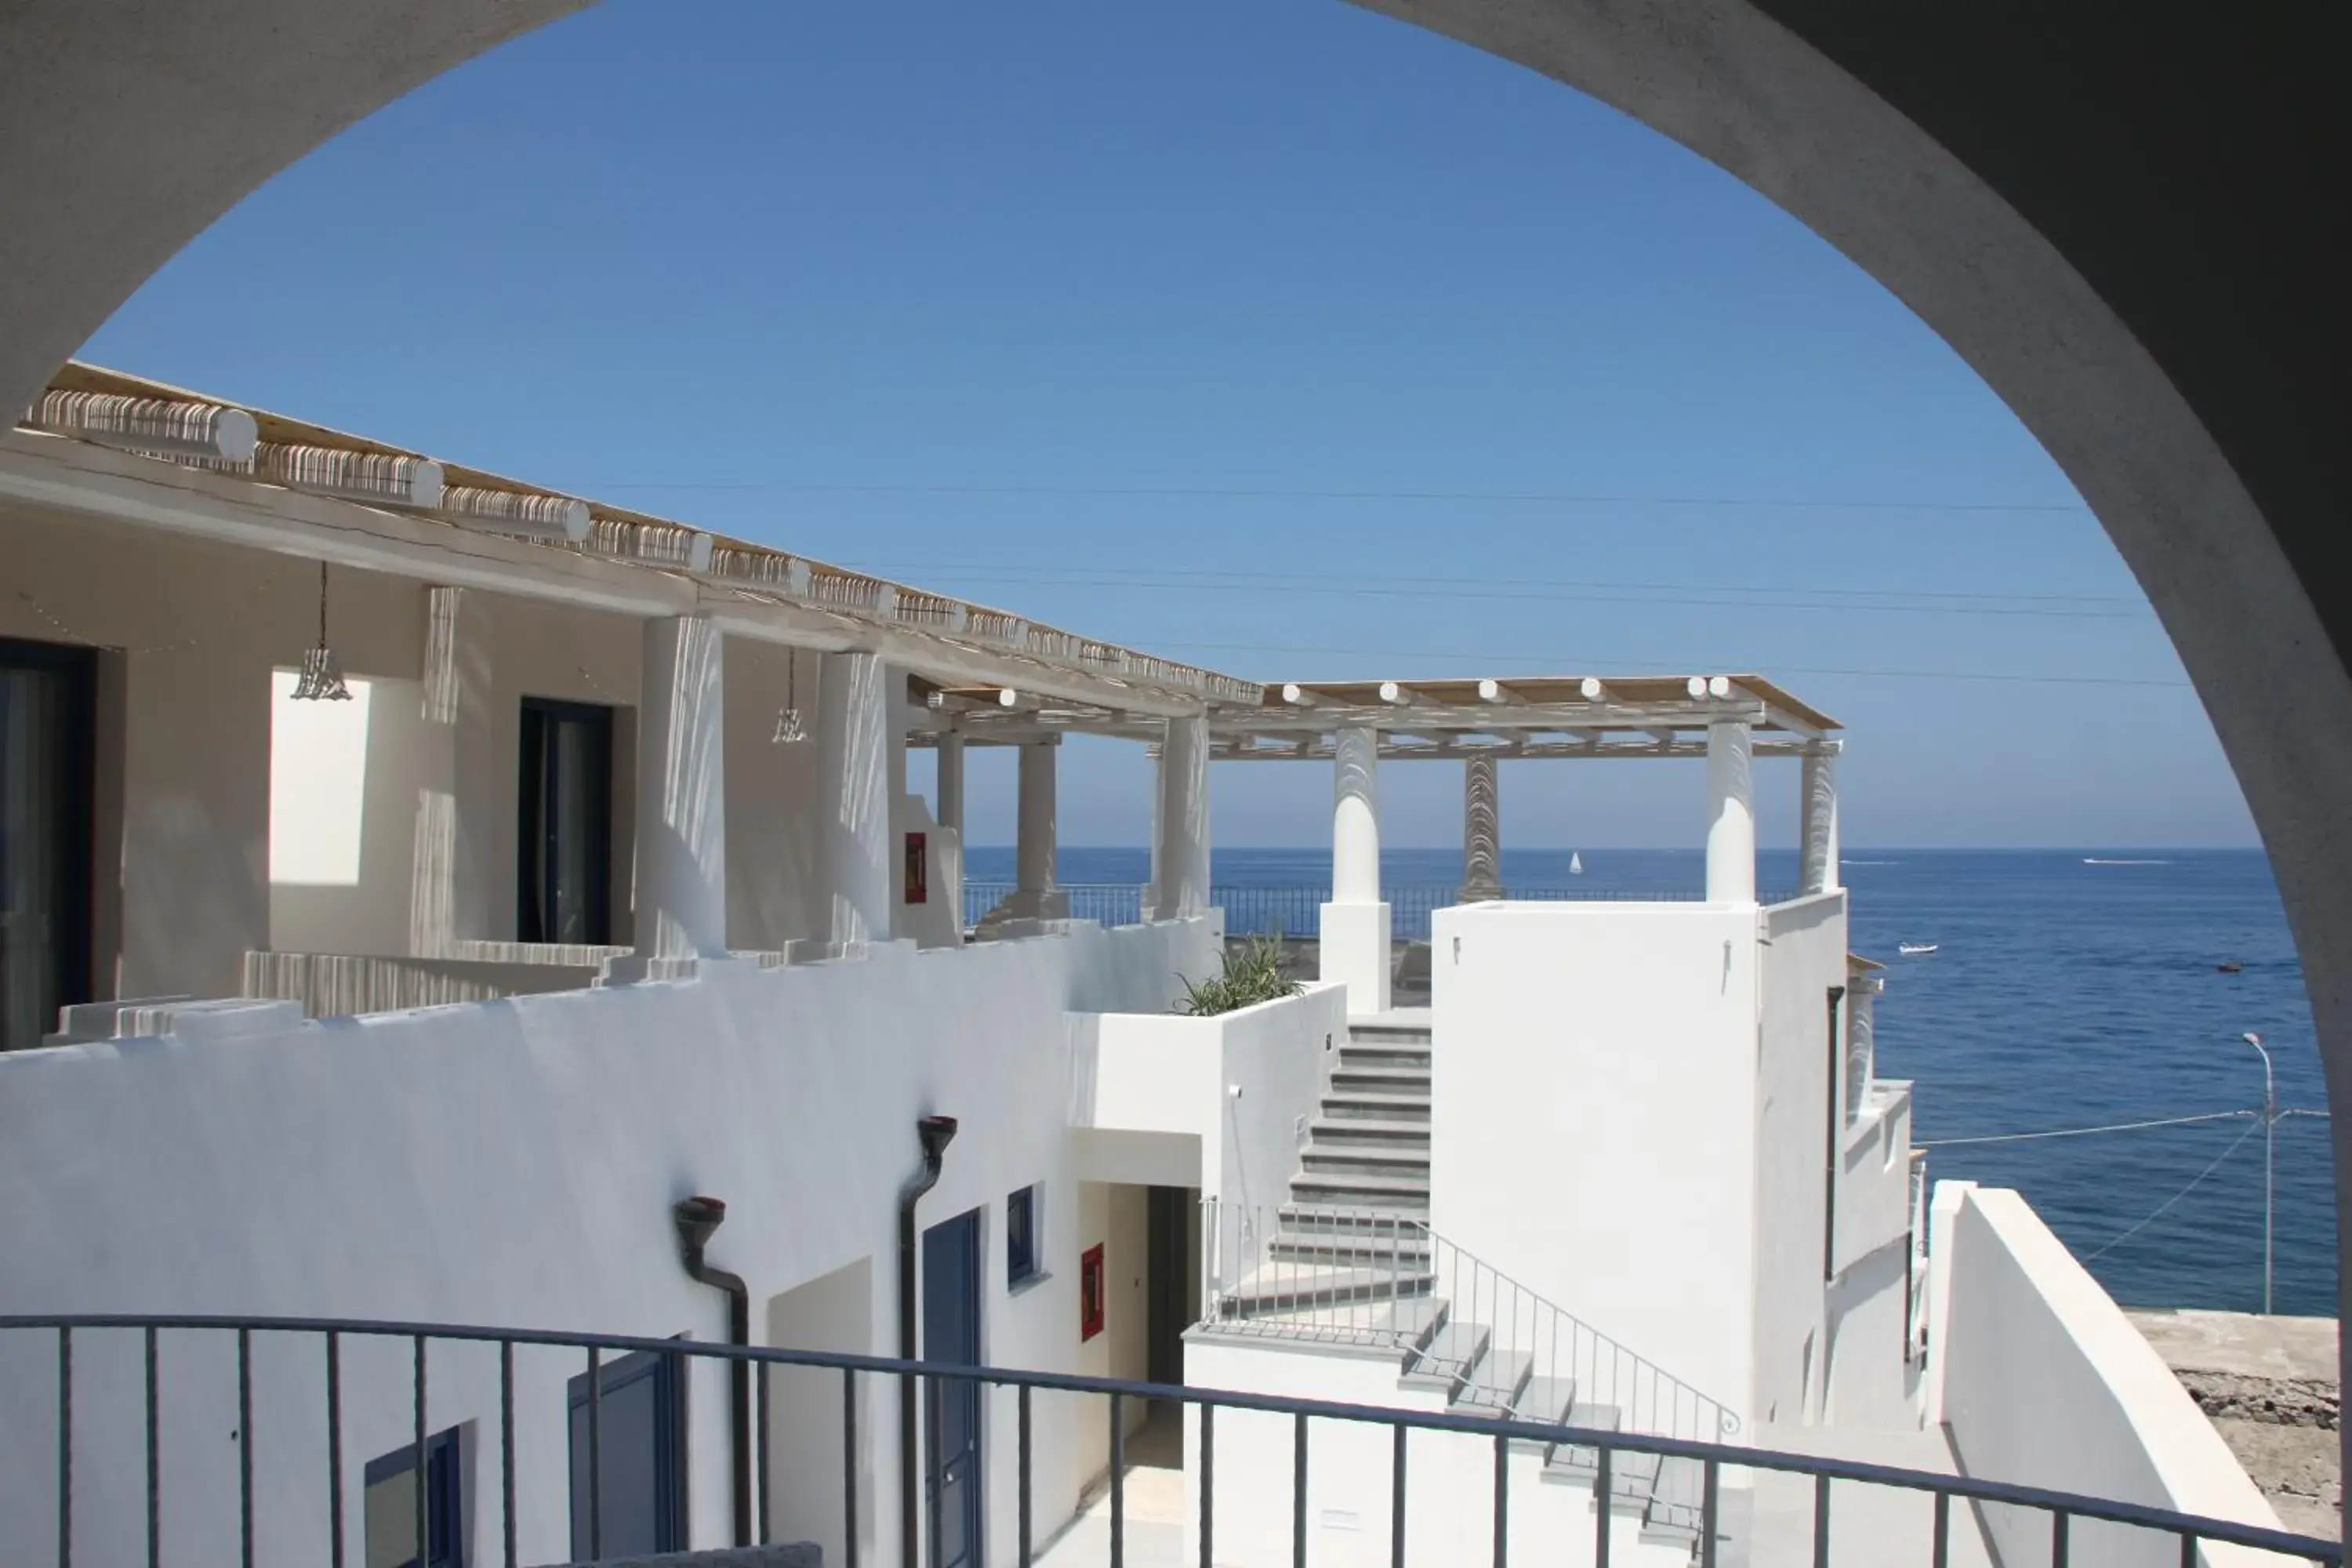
pixel 424 895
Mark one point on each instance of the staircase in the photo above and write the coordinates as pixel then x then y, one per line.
pixel 1351 1261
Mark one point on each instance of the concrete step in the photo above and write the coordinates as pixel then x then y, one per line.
pixel 1631 1475
pixel 1405 1196
pixel 1676 1502
pixel 1282 1288
pixel 1302 1219
pixel 1414 1057
pixel 1382 1081
pixel 1391 1246
pixel 1352 1130
pixel 1492 1387
pixel 1364 1160
pixel 1546 1399
pixel 1372 1030
pixel 1376 1105
pixel 1448 1356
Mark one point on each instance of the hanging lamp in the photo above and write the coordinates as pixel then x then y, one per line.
pixel 322 674
pixel 789 730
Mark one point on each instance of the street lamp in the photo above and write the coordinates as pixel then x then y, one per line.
pixel 2270 1127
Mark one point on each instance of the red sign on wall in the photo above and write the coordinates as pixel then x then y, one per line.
pixel 1090 1291
pixel 918 868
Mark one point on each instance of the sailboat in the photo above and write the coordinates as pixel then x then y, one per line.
pixel 1575 864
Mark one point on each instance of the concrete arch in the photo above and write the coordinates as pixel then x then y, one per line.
pixel 2102 215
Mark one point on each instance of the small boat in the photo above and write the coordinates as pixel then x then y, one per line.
pixel 1575 864
pixel 2231 966
pixel 1915 949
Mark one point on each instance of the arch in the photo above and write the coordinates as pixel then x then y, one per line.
pixel 2062 203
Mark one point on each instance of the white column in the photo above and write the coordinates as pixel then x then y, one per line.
pixel 1180 827
pixel 853 725
pixel 1354 947
pixel 1731 814
pixel 951 791
pixel 681 816
pixel 463 800
pixel 1036 896
pixel 1820 805
pixel 1482 830
pixel 1153 751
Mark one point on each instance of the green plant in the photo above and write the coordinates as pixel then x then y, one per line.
pixel 1252 975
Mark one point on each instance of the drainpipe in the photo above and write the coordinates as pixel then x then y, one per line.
pixel 696 1218
pixel 934 1133
pixel 1835 1115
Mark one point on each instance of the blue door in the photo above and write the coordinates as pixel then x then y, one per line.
pixel 640 1459
pixel 951 1333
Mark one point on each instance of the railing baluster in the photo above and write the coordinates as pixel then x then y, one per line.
pixel 2058 1519
pixel 1943 1548
pixel 1299 1491
pixel 65 1447
pixel 2187 1552
pixel 1600 1510
pixel 849 1465
pixel 1023 1404
pixel 761 1372
pixel 156 1463
pixel 1710 1504
pixel 595 1456
pixel 1117 1482
pixel 424 1471
pixel 1821 1521
pixel 1208 1481
pixel 1396 1500
pixel 335 1448
pixel 507 1447
pixel 1502 1502
pixel 244 1446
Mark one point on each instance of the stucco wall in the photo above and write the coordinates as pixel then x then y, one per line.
pixel 183 804
pixel 1804 953
pixel 2042 1379
pixel 1594 1121
pixel 345 783
pixel 1158 1090
pixel 514 1164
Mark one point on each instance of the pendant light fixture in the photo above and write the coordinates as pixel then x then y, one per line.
pixel 322 675
pixel 789 730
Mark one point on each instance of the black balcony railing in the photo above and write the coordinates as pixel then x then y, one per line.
pixel 331 1339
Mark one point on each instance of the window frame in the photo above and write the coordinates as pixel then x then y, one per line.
pixel 1025 1235
pixel 445 1495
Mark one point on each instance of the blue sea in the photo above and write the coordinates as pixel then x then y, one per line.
pixel 2063 995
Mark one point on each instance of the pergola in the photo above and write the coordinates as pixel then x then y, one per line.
pixel 1355 725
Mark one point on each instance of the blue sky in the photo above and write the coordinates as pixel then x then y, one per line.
pixel 1270 334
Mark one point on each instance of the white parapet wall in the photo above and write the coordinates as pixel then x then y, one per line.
pixel 514 1163
pixel 1218 1103
pixel 2042 1379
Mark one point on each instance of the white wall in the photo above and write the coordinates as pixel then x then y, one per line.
pixel 1449 1476
pixel 1870 1382
pixel 514 1163
pixel 1594 1118
pixel 805 1459
pixel 2040 1379
pixel 345 779
pixel 1159 1088
pixel 1803 954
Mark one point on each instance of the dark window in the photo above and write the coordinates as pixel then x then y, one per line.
pixel 390 1507
pixel 564 838
pixel 640 1446
pixel 46 723
pixel 1023 1252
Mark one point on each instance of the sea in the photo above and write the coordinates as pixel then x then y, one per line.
pixel 2069 989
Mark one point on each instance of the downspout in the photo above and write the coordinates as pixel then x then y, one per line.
pixel 696 1218
pixel 1835 1113
pixel 934 1133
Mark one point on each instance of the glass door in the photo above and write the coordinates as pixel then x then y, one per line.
pixel 565 834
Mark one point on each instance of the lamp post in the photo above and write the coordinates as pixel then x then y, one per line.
pixel 2270 1129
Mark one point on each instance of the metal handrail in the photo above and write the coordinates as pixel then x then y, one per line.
pixel 2062 1507
pixel 1363 1268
